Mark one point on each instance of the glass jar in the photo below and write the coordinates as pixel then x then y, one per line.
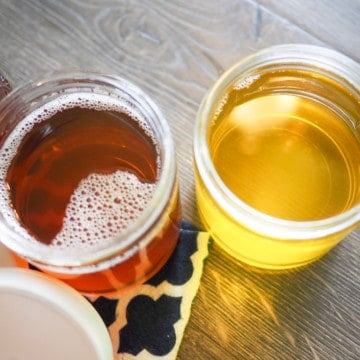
pixel 89 190
pixel 277 153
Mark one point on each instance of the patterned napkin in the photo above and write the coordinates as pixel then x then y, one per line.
pixel 148 322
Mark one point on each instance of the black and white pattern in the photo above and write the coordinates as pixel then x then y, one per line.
pixel 148 322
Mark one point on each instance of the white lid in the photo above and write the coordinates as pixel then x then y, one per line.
pixel 6 258
pixel 42 318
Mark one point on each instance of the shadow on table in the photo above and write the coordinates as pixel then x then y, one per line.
pixel 310 312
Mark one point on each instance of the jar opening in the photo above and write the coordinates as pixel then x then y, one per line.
pixel 269 133
pixel 114 100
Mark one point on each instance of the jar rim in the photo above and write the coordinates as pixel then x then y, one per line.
pixel 141 231
pixel 323 59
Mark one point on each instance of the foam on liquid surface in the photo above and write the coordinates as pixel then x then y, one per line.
pixel 103 205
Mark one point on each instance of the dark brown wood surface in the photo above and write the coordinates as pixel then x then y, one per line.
pixel 175 50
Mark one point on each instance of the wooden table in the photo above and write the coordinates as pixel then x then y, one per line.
pixel 175 50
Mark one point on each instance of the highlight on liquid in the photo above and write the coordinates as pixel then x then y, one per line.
pixel 287 155
pixel 81 171
pixel 277 155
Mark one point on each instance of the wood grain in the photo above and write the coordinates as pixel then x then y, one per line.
pixel 334 22
pixel 175 50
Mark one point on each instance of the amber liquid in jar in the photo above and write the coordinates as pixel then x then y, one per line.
pixel 82 173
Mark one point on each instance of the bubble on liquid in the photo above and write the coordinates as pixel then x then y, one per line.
pixel 63 102
pixel 239 85
pixel 245 83
pixel 119 200
pixel 221 105
pixel 87 100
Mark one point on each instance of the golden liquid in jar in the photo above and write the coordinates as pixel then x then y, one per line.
pixel 284 149
pixel 287 155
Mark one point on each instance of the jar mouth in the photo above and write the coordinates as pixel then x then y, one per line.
pixel 143 228
pixel 299 56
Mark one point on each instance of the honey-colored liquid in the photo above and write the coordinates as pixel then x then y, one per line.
pixel 284 145
pixel 69 148
pixel 288 156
